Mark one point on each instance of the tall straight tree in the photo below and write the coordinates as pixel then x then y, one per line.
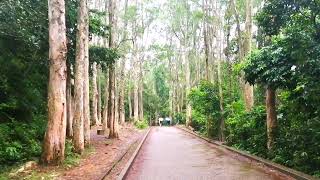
pixel 86 88
pixel 78 125
pixel 69 102
pixel 134 71
pixel 111 103
pixel 105 109
pixel 248 89
pixel 54 140
pixel 122 73
pixel 99 94
pixel 205 36
pixel 94 94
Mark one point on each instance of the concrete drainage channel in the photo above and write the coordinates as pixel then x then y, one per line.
pixel 290 172
pixel 125 170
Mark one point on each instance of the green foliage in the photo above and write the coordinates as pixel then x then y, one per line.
pixel 23 79
pixel 72 159
pixel 290 62
pixel 24 75
pixel 143 124
pixel 269 66
pixel 96 24
pixel 298 142
pixel 247 130
pixel 20 141
pixel 179 118
pixel 206 108
pixel 103 56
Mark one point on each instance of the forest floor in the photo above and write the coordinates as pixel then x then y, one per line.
pixel 104 159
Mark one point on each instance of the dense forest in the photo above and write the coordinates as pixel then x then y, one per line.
pixel 243 72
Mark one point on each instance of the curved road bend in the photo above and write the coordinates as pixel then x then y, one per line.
pixel 172 154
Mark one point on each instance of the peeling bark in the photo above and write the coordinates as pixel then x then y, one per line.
pixel 79 116
pixel 111 104
pixel 54 140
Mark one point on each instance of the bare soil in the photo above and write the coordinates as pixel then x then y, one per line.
pixel 106 160
pixel 107 153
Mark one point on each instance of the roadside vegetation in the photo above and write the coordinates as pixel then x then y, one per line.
pixel 244 72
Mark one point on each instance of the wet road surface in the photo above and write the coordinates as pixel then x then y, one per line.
pixel 172 154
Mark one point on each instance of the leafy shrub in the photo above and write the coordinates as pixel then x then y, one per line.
pixel 20 141
pixel 72 159
pixel 141 124
pixel 247 130
pixel 179 118
pixel 298 144
pixel 206 108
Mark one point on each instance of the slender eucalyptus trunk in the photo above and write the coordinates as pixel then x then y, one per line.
pixel 69 103
pixel 86 88
pixel 135 100
pixel 111 104
pixel 79 116
pixel 95 94
pixel 99 96
pixel 206 41
pixel 248 89
pixel 105 109
pixel 271 116
pixel 188 88
pixel 141 115
pixel 122 93
pixel 54 140
pixel 122 76
pixel 130 103
pixel 222 123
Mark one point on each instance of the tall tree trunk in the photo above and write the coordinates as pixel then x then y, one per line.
pixel 188 88
pixel 78 125
pixel 54 140
pixel 99 96
pixel 69 103
pixel 111 103
pixel 271 116
pixel 86 88
pixel 248 89
pixel 94 94
pixel 122 75
pixel 141 115
pixel 122 93
pixel 206 43
pixel 130 103
pixel 106 103
pixel 222 123
pixel 135 100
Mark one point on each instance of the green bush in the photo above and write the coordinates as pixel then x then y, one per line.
pixel 179 118
pixel 247 130
pixel 206 114
pixel 141 124
pixel 20 142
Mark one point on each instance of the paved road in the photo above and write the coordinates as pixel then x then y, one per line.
pixel 172 154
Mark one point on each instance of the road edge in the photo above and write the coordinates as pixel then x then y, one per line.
pixel 285 170
pixel 126 168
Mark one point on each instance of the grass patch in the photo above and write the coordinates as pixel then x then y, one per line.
pixel 73 159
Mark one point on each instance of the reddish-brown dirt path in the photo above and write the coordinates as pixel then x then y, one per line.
pixel 96 165
pixel 172 154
